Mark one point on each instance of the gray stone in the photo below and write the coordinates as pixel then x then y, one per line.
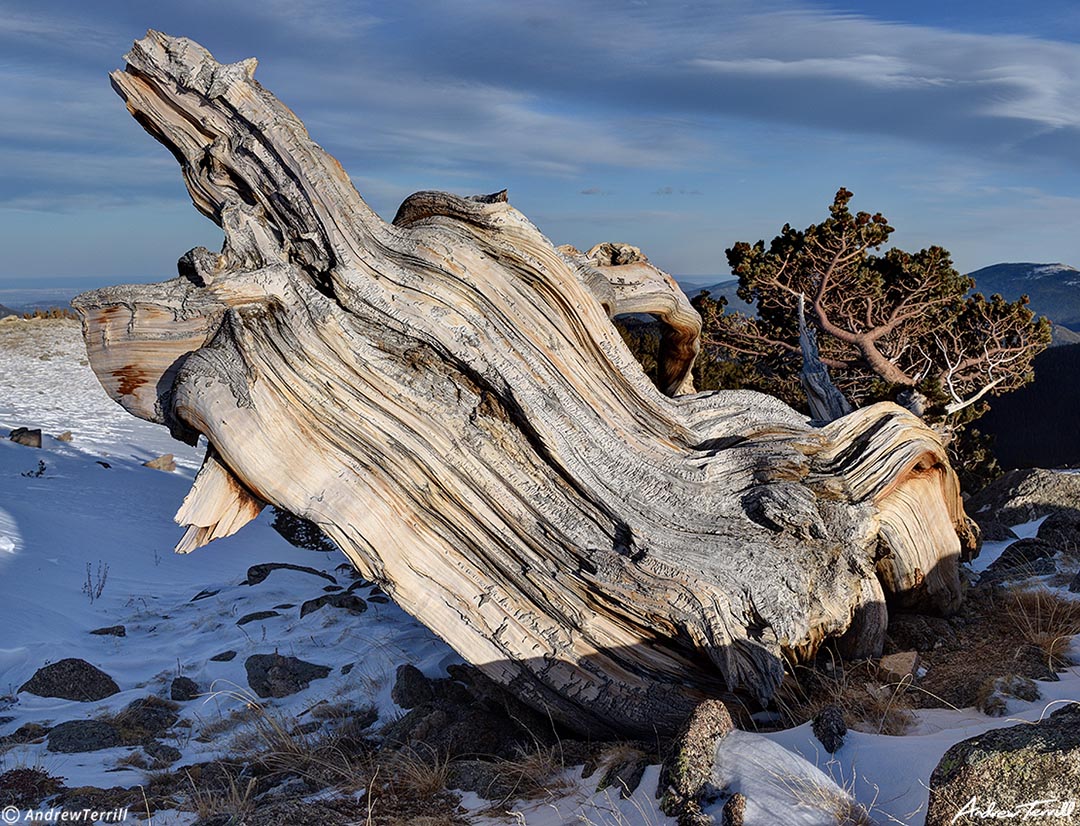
pixel 27 437
pixel 71 679
pixel 223 657
pixel 1062 530
pixel 257 573
pixel 160 752
pixel 1023 495
pixel 146 717
pixel 1010 767
pixel 77 736
pixel 411 687
pixel 183 689
pixel 111 631
pixel 1074 586
pixel 350 602
pixel 1022 559
pixel 829 728
pixel 272 675
pixel 686 773
pixel 256 616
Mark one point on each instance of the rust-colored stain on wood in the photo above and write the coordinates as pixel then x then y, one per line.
pixel 131 379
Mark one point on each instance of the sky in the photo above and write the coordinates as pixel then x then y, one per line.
pixel 679 127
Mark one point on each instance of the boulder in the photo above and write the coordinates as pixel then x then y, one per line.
pixel 1023 773
pixel 1074 586
pixel 687 769
pixel 71 679
pixel 77 736
pixel 349 602
pixel 411 687
pixel 272 675
pixel 183 689
pixel 1026 494
pixel 145 718
pixel 223 657
pixel 1061 529
pixel 1022 559
pixel 161 753
pixel 27 437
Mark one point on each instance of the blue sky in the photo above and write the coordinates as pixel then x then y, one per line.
pixel 678 127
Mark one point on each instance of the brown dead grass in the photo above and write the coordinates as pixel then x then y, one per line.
pixel 869 700
pixel 1046 620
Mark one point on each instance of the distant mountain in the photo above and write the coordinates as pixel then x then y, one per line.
pixel 6 311
pixel 1054 289
pixel 726 289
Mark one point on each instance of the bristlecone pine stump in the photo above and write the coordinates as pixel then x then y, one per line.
pixel 447 398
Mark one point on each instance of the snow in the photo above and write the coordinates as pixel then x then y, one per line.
pixel 118 520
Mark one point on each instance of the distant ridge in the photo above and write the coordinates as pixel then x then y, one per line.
pixel 1054 289
pixel 6 311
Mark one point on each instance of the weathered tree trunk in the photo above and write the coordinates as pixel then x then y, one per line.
pixel 446 397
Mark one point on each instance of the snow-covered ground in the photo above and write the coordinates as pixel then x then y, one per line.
pixel 80 520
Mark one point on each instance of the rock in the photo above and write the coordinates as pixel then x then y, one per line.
pixel 465 716
pixel 1007 768
pixel 917 632
pixel 257 573
pixel 161 753
pixel 994 531
pixel 1061 530
pixel 145 718
pixel 26 436
pixel 734 812
pixel 301 532
pixel 256 616
pixel 111 631
pixel 992 697
pixel 166 462
pixel 1074 586
pixel 183 689
pixel 71 679
pixel 1023 495
pixel 272 675
pixel 411 687
pixel 350 602
pixel 624 772
pixel 26 733
pixel 65 436
pixel 1022 559
pixel 77 736
pixel 902 667
pixel 204 594
pixel 223 657
pixel 687 769
pixel 829 727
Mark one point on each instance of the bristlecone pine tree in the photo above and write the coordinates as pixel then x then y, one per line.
pixel 884 322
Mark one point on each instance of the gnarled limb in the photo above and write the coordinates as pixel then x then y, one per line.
pixel 447 398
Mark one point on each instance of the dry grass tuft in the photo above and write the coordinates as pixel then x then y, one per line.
pixel 868 702
pixel 1046 620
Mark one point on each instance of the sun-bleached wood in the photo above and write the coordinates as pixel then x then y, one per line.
pixel 446 396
